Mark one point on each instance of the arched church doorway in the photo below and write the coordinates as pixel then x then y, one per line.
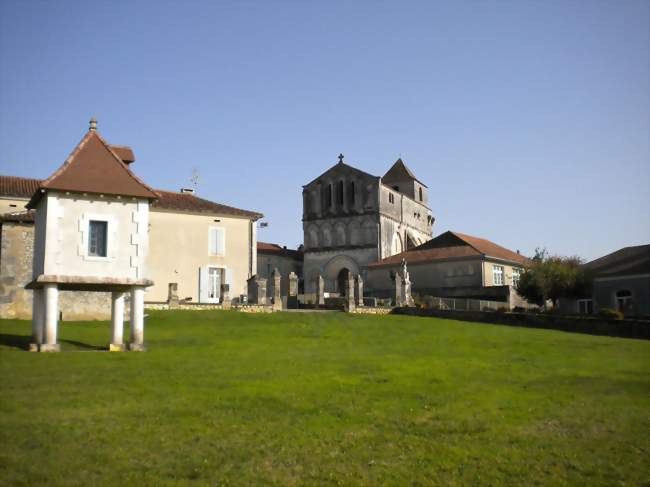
pixel 341 279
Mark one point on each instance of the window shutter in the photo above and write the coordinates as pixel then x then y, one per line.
pixel 212 241
pixel 203 284
pixel 221 241
pixel 229 277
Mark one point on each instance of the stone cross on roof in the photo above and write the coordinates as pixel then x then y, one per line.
pixel 341 156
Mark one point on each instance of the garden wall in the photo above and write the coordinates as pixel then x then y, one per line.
pixel 574 324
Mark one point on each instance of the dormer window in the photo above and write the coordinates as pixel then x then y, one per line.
pixel 97 233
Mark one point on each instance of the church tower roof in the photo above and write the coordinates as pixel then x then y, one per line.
pixel 400 172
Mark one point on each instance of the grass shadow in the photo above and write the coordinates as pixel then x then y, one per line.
pixel 15 341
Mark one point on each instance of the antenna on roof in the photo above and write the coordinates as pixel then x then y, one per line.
pixel 92 124
pixel 195 178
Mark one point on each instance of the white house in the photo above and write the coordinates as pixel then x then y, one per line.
pixel 91 234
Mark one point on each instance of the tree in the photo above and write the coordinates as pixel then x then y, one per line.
pixel 553 277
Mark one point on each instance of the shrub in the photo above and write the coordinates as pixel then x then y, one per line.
pixel 519 309
pixel 610 314
pixel 502 309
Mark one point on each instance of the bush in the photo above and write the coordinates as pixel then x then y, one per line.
pixel 610 314
pixel 502 309
pixel 519 309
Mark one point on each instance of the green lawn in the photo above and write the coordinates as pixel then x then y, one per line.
pixel 223 398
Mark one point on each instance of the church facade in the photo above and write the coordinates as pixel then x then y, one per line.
pixel 352 218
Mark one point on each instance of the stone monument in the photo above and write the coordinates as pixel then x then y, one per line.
pixel 292 297
pixel 320 290
pixel 277 291
pixel 257 290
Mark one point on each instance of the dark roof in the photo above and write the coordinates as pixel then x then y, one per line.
pixel 271 248
pixel 18 187
pixel 452 245
pixel 342 165
pixel 400 172
pixel 168 200
pixel 93 167
pixel 626 261
pixel 19 217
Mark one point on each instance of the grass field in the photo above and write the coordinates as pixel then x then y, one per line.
pixel 223 398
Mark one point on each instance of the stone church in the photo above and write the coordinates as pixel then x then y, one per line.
pixel 352 218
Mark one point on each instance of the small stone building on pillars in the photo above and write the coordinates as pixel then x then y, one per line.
pixel 91 234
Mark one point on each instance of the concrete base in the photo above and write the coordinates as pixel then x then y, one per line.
pixel 54 347
pixel 137 347
pixel 116 347
pixel 33 347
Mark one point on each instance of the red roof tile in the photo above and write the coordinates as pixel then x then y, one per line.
pixel 167 200
pixel 271 248
pixel 452 245
pixel 93 167
pixel 188 202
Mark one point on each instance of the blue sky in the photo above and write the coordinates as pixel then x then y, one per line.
pixel 529 121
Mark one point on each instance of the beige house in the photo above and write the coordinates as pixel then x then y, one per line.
pixel 453 265
pixel 207 249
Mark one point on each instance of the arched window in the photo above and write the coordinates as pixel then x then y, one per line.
pixel 328 196
pixel 396 245
pixel 351 194
pixel 340 193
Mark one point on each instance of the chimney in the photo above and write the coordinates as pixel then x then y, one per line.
pixel 92 124
pixel 187 190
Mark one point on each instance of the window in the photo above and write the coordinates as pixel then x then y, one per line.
pixel 391 198
pixel 351 193
pixel 328 196
pixel 497 275
pixel 97 232
pixel 516 274
pixel 217 241
pixel 420 191
pixel 623 300
pixel 340 193
pixel 585 306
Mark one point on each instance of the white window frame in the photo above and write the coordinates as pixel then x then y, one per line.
pixel 111 236
pixel 497 270
pixel 586 303
pixel 516 276
pixel 223 250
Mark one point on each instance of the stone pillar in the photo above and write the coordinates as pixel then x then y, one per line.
pixel 257 290
pixel 137 319
pixel 292 297
pixel 38 320
pixel 358 290
pixel 277 290
pixel 350 301
pixel 117 322
pixel 172 295
pixel 397 290
pixel 51 292
pixel 320 290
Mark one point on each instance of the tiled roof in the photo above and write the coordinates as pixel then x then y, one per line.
pixel 626 261
pixel 21 217
pixel 271 248
pixel 93 167
pixel 167 200
pixel 124 152
pixel 452 245
pixel 18 187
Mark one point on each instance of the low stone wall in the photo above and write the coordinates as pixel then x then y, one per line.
pixel 574 324
pixel 366 310
pixel 253 308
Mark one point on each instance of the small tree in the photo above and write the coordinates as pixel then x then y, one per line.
pixel 552 277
